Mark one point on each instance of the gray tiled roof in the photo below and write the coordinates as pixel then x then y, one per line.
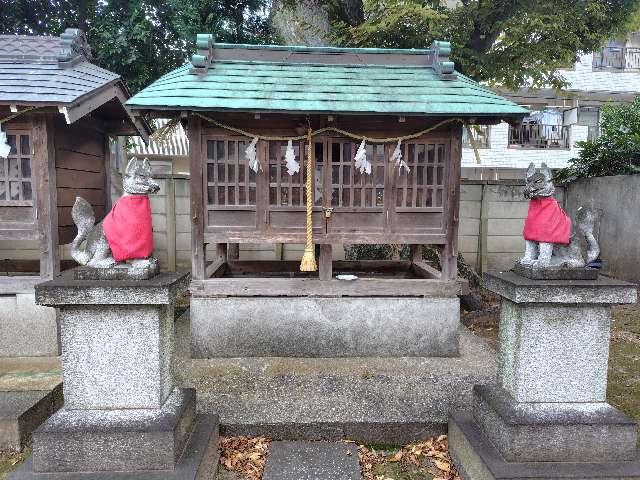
pixel 48 70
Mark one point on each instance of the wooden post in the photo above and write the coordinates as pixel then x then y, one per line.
pixel 197 199
pixel 221 251
pixel 233 251
pixel 449 258
pixel 46 195
pixel 483 237
pixel 325 262
pixel 416 253
pixel 171 223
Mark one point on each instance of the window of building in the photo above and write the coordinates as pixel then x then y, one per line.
pixel 229 180
pixel 15 170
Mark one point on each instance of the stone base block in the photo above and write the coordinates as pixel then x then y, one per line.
pixel 476 458
pixel 116 440
pixel 26 329
pixel 198 462
pixel 22 412
pixel 553 432
pixel 556 273
pixel 130 270
pixel 324 327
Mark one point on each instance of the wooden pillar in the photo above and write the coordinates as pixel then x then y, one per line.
pixel 233 251
pixel 325 262
pixel 221 251
pixel 197 199
pixel 46 195
pixel 416 253
pixel 170 199
pixel 449 259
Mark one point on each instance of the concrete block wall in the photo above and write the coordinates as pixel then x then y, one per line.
pixel 618 198
pixel 500 155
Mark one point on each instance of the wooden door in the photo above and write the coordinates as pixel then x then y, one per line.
pixel 357 199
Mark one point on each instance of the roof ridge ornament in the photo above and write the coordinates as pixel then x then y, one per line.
pixel 73 47
pixel 441 63
pixel 202 59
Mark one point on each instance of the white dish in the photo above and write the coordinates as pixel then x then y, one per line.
pixel 348 278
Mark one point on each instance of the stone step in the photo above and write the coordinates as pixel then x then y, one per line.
pixel 21 412
pixel 367 399
pixel 312 461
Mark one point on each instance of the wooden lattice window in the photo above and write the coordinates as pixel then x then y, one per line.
pixel 15 171
pixel 423 186
pixel 230 181
pixel 289 190
pixel 350 188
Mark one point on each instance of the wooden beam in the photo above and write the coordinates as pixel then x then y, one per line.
pixel 46 195
pixel 87 105
pixel 216 268
pixel 449 260
pixel 197 199
pixel 296 287
pixel 424 270
pixel 325 262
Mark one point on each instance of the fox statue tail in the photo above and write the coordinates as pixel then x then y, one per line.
pixel 586 223
pixel 84 218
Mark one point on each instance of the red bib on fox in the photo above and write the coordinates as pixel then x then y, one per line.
pixel 128 228
pixel 546 222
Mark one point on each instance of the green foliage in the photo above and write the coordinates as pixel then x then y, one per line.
pixel 505 42
pixel 615 152
pixel 140 39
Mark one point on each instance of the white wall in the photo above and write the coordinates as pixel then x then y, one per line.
pixel 502 156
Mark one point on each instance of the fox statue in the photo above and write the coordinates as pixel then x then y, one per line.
pixel 549 240
pixel 126 233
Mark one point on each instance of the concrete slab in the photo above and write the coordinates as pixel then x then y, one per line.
pixel 22 412
pixel 477 459
pixel 312 461
pixel 26 329
pixel 368 399
pixel 199 461
pixel 324 327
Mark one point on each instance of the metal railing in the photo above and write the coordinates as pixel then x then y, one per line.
pixel 617 58
pixel 539 136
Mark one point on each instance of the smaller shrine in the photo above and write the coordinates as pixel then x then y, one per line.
pixel 57 111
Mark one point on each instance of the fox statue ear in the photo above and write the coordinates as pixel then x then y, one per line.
pixel 146 168
pixel 546 171
pixel 131 166
pixel 531 170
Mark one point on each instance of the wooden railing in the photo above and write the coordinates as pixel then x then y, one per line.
pixel 539 136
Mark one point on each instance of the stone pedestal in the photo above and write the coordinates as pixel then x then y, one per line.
pixel 547 417
pixel 123 416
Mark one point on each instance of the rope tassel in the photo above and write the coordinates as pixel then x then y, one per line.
pixel 308 263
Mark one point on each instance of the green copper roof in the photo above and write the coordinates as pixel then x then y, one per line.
pixel 322 80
